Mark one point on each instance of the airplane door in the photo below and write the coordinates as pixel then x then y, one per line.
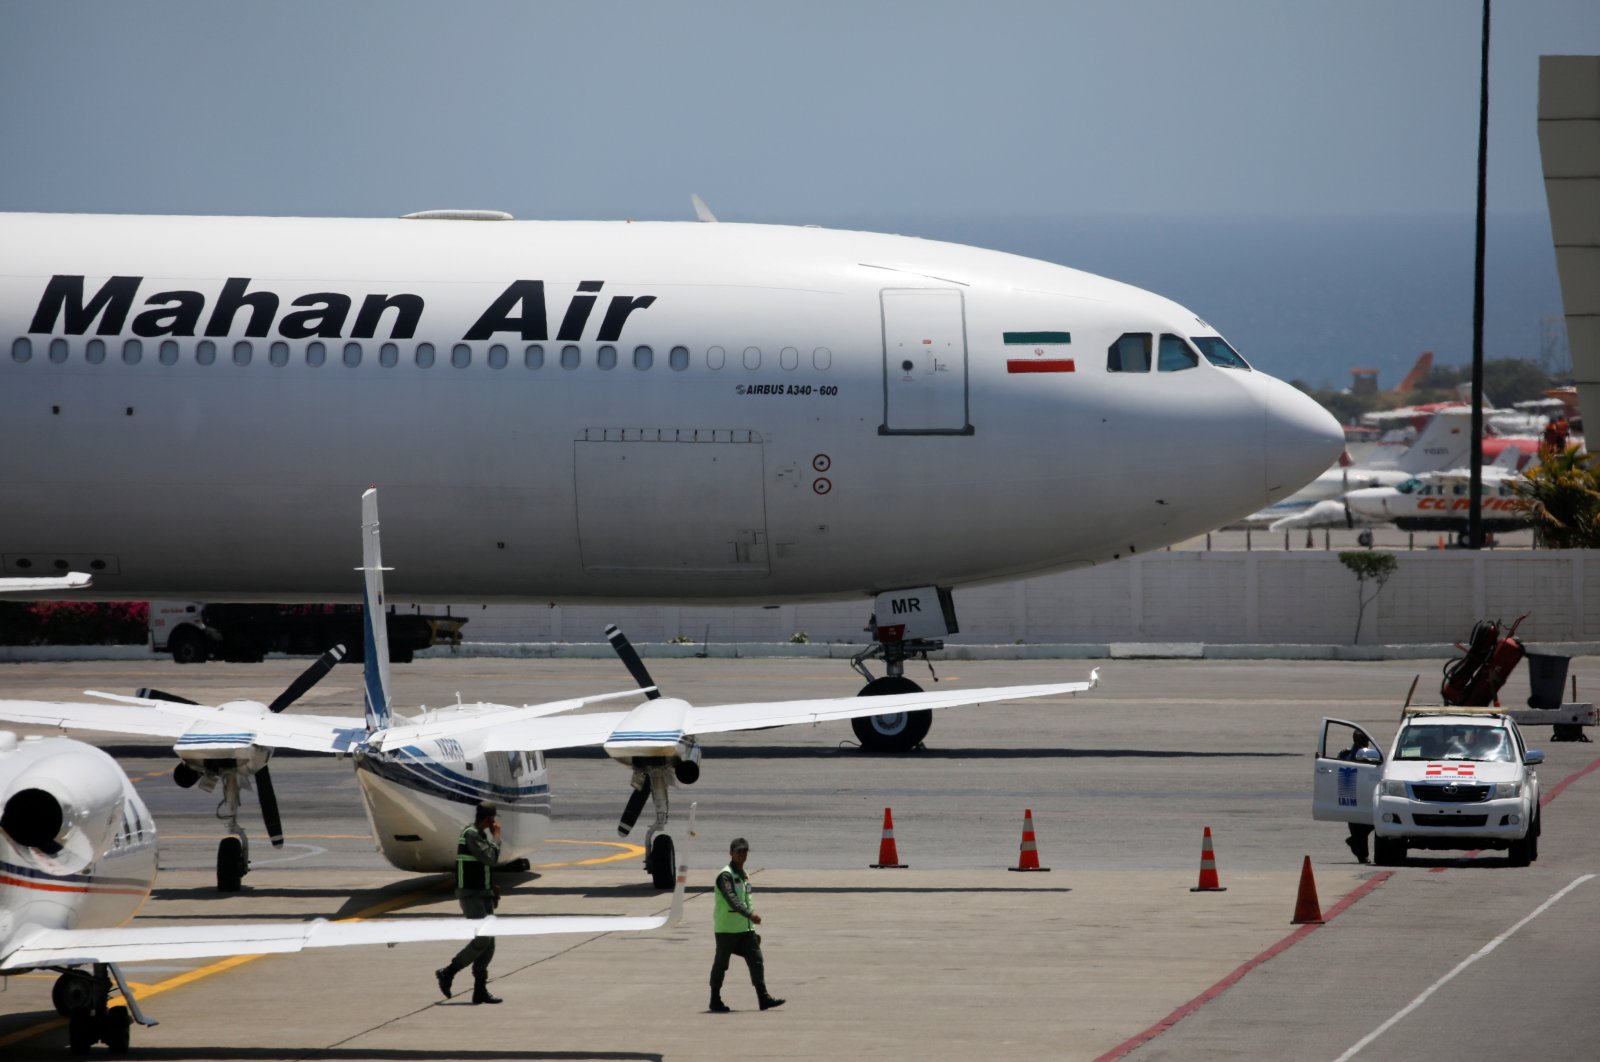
pixel 1341 788
pixel 924 362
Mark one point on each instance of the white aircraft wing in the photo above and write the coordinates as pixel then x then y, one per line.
pixel 147 718
pixel 721 718
pixel 65 947
pixel 455 724
pixel 20 584
pixel 540 735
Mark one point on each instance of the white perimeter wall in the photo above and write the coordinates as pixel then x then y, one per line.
pixel 1214 597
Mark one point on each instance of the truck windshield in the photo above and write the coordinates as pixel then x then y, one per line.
pixel 1485 744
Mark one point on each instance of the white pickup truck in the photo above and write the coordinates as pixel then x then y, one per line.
pixel 1454 778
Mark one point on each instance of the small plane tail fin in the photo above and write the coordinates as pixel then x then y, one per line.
pixel 373 616
pixel 1444 442
pixel 1418 373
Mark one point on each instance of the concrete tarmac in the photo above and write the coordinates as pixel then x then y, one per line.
pixel 1108 955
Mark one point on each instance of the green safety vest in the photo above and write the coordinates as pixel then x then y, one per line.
pixel 726 919
pixel 464 856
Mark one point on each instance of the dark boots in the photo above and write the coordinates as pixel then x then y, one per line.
pixel 481 993
pixel 445 975
pixel 767 1000
pixel 717 1005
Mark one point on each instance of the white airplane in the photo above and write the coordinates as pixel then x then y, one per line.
pixel 1445 442
pixel 604 411
pixel 1441 501
pixel 78 859
pixel 421 777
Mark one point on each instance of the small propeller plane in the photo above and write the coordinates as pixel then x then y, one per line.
pixel 421 777
pixel 78 859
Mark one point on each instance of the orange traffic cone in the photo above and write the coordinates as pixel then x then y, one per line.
pixel 1029 857
pixel 1306 907
pixel 888 857
pixel 1208 868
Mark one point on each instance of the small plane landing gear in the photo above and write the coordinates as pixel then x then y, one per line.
pixel 84 999
pixel 662 862
pixel 233 853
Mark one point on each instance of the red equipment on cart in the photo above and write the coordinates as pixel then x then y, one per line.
pixel 1473 680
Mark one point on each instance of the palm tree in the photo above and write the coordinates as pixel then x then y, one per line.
pixel 1562 494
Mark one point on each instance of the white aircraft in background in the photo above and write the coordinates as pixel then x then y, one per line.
pixel 421 777
pixel 605 411
pixel 1441 501
pixel 78 859
pixel 1445 442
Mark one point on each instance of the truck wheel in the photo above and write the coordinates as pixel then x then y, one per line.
pixel 1388 851
pixel 187 646
pixel 1521 852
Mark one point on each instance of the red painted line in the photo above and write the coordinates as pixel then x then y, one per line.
pixel 1122 1049
pixel 6 879
pixel 1041 365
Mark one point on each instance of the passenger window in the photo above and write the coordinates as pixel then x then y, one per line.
pixel 166 355
pixel 643 357
pixel 606 357
pixel 716 357
pixel 424 355
pixel 533 357
pixel 278 354
pixel 788 358
pixel 95 352
pixel 752 357
pixel 1130 353
pixel 678 359
pixel 316 354
pixel 205 353
pixel 461 355
pixel 570 357
pixel 132 352
pixel 58 350
pixel 1175 355
pixel 352 354
pixel 822 359
pixel 241 352
pixel 389 355
pixel 21 349
pixel 497 357
pixel 1217 352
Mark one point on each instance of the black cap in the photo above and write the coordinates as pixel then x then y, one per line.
pixel 486 810
pixel 738 844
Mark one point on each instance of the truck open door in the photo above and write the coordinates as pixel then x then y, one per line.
pixel 1342 785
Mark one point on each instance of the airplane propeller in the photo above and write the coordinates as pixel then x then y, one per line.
pixel 631 661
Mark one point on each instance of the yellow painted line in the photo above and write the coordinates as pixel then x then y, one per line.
pixel 142 992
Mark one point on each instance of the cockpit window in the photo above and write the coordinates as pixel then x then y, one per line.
pixel 1175 355
pixel 1217 352
pixel 1411 486
pixel 1130 353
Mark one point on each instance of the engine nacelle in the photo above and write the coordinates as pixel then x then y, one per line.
pixel 62 810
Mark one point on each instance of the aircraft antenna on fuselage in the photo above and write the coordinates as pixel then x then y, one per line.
pixel 373 619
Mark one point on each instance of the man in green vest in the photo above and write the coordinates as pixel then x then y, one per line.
pixel 477 852
pixel 734 923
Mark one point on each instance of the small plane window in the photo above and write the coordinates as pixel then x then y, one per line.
pixel 168 354
pixel 278 354
pixel 389 355
pixel 352 354
pixel 95 352
pixel 205 352
pixel 822 359
pixel 678 359
pixel 58 350
pixel 424 355
pixel 1130 353
pixel 21 349
pixel 533 357
pixel 241 352
pixel 752 357
pixel 1218 353
pixel 789 358
pixel 643 357
pixel 716 357
pixel 1408 487
pixel 132 352
pixel 461 355
pixel 316 354
pixel 1175 355
pixel 570 357
pixel 606 357
pixel 1458 490
pixel 497 357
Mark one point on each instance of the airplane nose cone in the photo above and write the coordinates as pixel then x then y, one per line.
pixel 1302 440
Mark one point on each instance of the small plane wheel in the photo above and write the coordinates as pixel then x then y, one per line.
pixel 188 647
pixel 115 1027
pixel 662 862
pixel 72 992
pixel 1364 539
pixel 897 731
pixel 230 864
pixel 80 1032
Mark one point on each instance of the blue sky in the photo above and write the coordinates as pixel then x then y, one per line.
pixel 799 112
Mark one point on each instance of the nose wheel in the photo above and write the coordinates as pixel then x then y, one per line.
pixel 895 731
pixel 233 853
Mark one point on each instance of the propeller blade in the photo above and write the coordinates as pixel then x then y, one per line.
pixel 159 695
pixel 308 678
pixel 269 807
pixel 635 666
pixel 630 814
